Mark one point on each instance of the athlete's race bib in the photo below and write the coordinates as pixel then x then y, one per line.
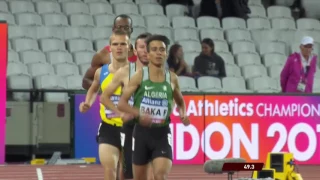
pixel 110 114
pixel 156 108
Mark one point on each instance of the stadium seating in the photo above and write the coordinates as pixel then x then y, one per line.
pixel 52 39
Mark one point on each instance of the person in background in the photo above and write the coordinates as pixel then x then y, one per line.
pixel 208 63
pixel 175 60
pixel 298 73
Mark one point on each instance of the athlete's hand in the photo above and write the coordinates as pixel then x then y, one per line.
pixel 185 120
pixel 84 107
pixel 126 117
pixel 145 120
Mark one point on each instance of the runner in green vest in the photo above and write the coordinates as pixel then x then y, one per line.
pixel 154 89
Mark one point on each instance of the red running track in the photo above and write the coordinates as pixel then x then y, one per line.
pixel 95 172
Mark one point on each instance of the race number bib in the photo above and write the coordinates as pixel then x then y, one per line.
pixel 157 109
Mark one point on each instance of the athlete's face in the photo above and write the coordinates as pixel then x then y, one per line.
pixel 157 54
pixel 123 24
pixel 141 50
pixel 119 47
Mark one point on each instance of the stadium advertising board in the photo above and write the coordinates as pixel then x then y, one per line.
pixel 3 89
pixel 230 126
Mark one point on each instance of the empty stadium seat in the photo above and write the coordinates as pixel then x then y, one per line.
pixel 39 69
pixel 208 82
pixel 157 21
pixel 100 43
pixel 175 10
pixel 187 83
pixel 22 32
pixel 52 82
pixel 13 56
pixel 227 58
pixel 148 9
pixel 81 20
pixel 125 8
pixel 139 30
pixel 190 46
pixel 283 23
pixel 316 85
pixel 161 30
pixel 56 57
pixel 181 34
pixel 308 24
pixel 183 22
pixel 45 7
pixel 146 1
pixel 238 35
pixel 20 6
pixel 268 35
pixel 83 57
pixel 8 17
pixel 214 34
pixel 28 19
pixel 120 1
pixel 301 33
pixel 243 47
pixel 233 83
pixel 20 82
pixel 221 46
pixel 251 71
pixel 272 47
pixel 257 11
pixel 233 23
pixel 137 21
pixel 102 32
pixel 55 19
pixel 83 68
pixel 204 22
pixel 189 58
pixel 75 45
pixel 245 59
pixel 75 7
pixel 279 12
pixel 66 69
pixel 74 82
pixel 275 71
pixel 233 70
pixel 274 59
pixel 100 8
pixel 4 6
pixel 258 23
pixel 47 45
pixel 255 2
pixel 261 83
pixel 76 32
pixel 23 44
pixel 50 32
pixel 32 56
pixel 17 69
pixel 104 20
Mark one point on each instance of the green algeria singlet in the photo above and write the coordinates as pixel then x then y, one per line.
pixel 155 99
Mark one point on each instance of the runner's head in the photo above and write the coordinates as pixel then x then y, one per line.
pixel 157 49
pixel 141 49
pixel 119 45
pixel 123 22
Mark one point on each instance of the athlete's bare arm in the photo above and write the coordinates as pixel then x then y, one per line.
pixel 117 80
pixel 100 58
pixel 94 88
pixel 132 86
pixel 178 98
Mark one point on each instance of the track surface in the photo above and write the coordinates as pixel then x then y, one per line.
pixel 94 172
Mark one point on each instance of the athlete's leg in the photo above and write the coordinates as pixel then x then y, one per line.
pixel 109 149
pixel 150 172
pixel 127 131
pixel 140 153
pixel 162 154
pixel 109 157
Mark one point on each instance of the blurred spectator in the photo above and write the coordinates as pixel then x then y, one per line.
pixel 175 60
pixel 299 70
pixel 224 8
pixel 208 63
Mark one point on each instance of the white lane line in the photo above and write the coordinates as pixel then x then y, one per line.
pixel 39 174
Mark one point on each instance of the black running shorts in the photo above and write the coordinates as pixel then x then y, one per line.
pixel 150 143
pixel 127 131
pixel 109 134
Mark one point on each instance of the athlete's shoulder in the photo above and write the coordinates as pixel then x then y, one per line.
pixel 123 71
pixel 173 76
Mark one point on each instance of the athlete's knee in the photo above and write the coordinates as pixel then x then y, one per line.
pixel 110 173
pixel 160 175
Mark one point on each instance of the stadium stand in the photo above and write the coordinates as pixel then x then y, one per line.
pixel 57 38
